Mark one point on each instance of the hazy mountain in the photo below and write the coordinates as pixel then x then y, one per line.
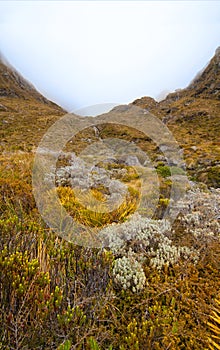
pixel 24 112
pixel 192 115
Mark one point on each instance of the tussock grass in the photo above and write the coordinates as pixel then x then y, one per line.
pixel 95 217
pixel 58 295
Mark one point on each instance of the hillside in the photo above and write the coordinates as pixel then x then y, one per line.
pixel 153 283
pixel 193 116
pixel 24 113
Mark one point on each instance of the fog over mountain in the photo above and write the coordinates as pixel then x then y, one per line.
pixel 82 53
pixel 109 224
pixel 192 114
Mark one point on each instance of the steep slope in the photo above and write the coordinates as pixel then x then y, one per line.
pixel 193 115
pixel 24 113
pixel 153 287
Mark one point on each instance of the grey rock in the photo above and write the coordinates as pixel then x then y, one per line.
pixel 132 161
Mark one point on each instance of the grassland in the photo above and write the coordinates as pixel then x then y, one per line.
pixel 55 294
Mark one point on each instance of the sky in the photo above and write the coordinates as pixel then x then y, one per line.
pixel 83 53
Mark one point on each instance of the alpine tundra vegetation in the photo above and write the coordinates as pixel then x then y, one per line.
pixel 153 284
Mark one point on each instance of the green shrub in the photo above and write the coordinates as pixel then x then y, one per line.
pixel 163 170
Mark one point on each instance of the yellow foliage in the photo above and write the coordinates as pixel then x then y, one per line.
pixel 215 328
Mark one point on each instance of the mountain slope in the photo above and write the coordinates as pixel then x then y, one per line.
pixel 193 116
pixel 24 113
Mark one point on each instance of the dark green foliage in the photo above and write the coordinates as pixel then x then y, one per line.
pixel 163 170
